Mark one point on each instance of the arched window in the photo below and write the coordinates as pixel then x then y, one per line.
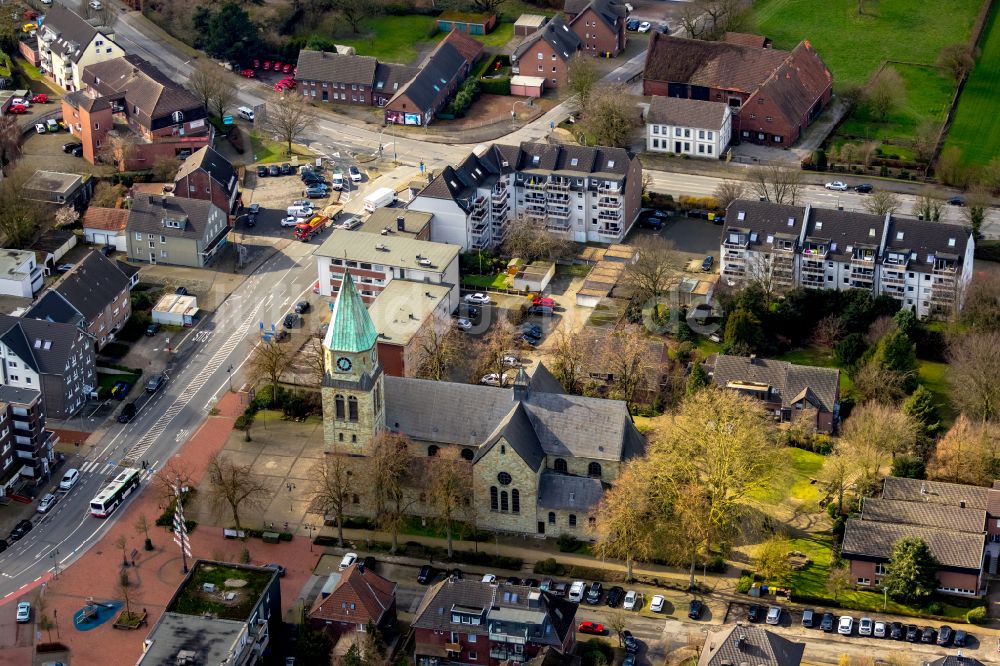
pixel 354 438
pixel 493 498
pixel 432 450
pixel 378 398
pixel 338 402
pixel 467 454
pixel 572 520
pixel 515 501
pixel 594 469
pixel 559 465
pixel 177 117
pixel 504 505
pixel 352 410
pixel 340 436
pixel 552 518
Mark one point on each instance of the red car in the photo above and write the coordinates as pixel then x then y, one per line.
pixel 288 82
pixel 256 64
pixel 267 65
pixel 295 70
pixel 40 98
pixel 279 87
pixel 276 66
pixel 316 287
pixel 18 108
pixel 588 627
pixel 247 73
pixel 287 68
pixel 544 302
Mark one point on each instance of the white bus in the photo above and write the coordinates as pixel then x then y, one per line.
pixel 115 493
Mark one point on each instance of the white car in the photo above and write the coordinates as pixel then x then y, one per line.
pixel 633 600
pixel 464 324
pixel 865 627
pixel 492 379
pixel 576 591
pixel 629 7
pixel 46 503
pixel 879 631
pixel 477 299
pixel 511 361
pixel 355 174
pixel 290 221
pixel 23 612
pixel 489 578
pixel 69 479
pixel 837 185
pixel 337 181
pixel 645 26
pixel 656 603
pixel 23 101
pixel 40 128
pixel 95 4
pixel 349 559
pixel 846 625
pixel 773 615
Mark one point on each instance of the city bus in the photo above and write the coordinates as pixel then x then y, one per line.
pixel 115 493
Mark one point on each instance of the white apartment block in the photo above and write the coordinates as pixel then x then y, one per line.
pixel 67 43
pixel 688 127
pixel 20 274
pixel 925 265
pixel 583 194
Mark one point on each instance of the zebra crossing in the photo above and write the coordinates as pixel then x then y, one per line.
pixel 107 468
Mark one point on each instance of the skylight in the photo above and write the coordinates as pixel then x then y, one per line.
pixel 899 235
pixel 535 159
pixel 951 242
pixel 770 239
pixel 574 162
pixel 791 221
pixel 819 225
pixel 611 164
pixel 871 232
pixel 741 215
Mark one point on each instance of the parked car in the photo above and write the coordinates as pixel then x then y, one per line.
pixel 46 503
pixel 22 101
pixel 17 108
pixel 695 608
pixel 302 307
pixel 491 379
pixel 615 596
pixel 559 589
pixel 347 560
pixel 631 644
pixel 960 638
pixel 633 600
pixel 120 390
pixel 127 413
pixel 511 580
pixel 645 26
pixel 633 24
pixel 155 382
pixel 463 324
pixel 153 329
pixel 773 615
pixel 928 635
pixel 826 624
pixel 64 268
pixel 588 627
pixel 912 633
pixel 262 172
pixel 808 618
pixel 530 582
pixel 291 320
pixel 956 201
pixel 274 170
pixel 477 299
pixel 594 593
pixel 68 147
pixel 656 603
pixel 865 627
pixel 181 291
pixel 663 28
pixel 52 125
pixel 863 188
pixel 846 625
pixel 316 193
pixel 837 185
pixel 354 173
pixel 248 73
pixel 533 330
pixel 251 220
pixel 880 630
pixel 77 151
pixel 945 635
pixel 337 181
pixel 754 612
pixel 3 545
pixel 20 529
pixel 425 575
pixel 629 660
pixel 576 591
pixel 40 98
pixel 40 128
pixel 896 631
pixel 69 479
pixel 23 612
pixel 706 264
pixel 290 221
pixel 286 169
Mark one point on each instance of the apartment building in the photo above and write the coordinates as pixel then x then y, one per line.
pixel 600 25
pixel 20 274
pixel 925 265
pixel 23 412
pixel 581 193
pixel 546 53
pixel 175 230
pixel 67 43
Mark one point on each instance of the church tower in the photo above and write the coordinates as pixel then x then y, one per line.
pixel 353 386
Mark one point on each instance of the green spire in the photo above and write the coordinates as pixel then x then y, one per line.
pixel 351 328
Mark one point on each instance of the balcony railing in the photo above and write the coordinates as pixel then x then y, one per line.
pixel 535 197
pixel 558 185
pixel 556 224
pixel 500 211
pixel 815 251
pixel 609 188
pixel 561 212
pixel 535 185
pixel 893 278
pixel 612 231
pixel 735 257
pixel 609 202
pixel 609 215
pixel 809 280
pixel 499 197
pixel 863 259
pixel 738 245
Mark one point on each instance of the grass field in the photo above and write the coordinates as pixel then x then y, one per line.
pixel 402 38
pixel 793 480
pixel 974 130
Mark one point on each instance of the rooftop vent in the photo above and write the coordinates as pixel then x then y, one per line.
pixel 381 248
pixel 400 222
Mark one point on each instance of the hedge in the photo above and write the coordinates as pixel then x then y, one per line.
pixel 977 615
pixel 497 85
pixel 550 567
pixel 988 250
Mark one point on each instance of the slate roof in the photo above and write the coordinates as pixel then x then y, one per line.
pixel 954 660
pixel 351 328
pixel 935 492
pixel 927 241
pixel 556 34
pixel 149 210
pixel 686 112
pixel 565 492
pixel 52 306
pixel 868 538
pixel 516 430
pixel 710 64
pixel 214 164
pixel 336 67
pixel 544 381
pixel 79 99
pixel 763 220
pixel 845 229
pixel 73 34
pixel 22 335
pixel 747 644
pixel 434 611
pixel 443 64
pixel 367 595
pixel 390 76
pixel 787 379
pixel 144 87
pixel 90 285
pixel 608 11
pixel 927 514
pixel 105 219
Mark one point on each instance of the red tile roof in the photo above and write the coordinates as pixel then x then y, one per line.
pixel 359 597
pixel 105 219
pixel 465 45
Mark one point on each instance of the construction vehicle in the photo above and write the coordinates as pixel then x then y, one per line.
pixel 306 230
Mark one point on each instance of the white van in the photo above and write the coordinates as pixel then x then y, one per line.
pixel 245 112
pixel 300 211
pixel 576 591
pixel 383 196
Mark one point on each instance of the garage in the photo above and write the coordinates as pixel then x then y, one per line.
pixel 527 86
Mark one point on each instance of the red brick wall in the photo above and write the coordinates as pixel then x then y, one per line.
pixel 145 155
pixel 201 183
pixel 598 38
pixel 529 63
pixel 861 569
pixel 93 127
pixel 391 358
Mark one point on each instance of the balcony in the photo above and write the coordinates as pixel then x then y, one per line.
pixel 609 188
pixel 499 196
pixel 609 215
pixel 740 242
pixel 814 251
pixel 535 185
pixel 535 197
pixel 609 202
pixel 506 655
pixel 479 212
pixel 558 185
pixel 610 231
pixel 813 281
pixel 535 210
pixel 894 278
pixel 499 211
pixel 733 257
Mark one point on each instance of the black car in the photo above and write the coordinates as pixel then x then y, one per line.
pixel 896 631
pixel 631 644
pixel 755 612
pixel 181 291
pixel 425 575
pixel 513 580
pixel 291 320
pixel 945 635
pixel 68 147
pixel 22 528
pixel 633 24
pixel 76 151
pixel 828 622
pixel 808 618
pixel 252 220
pixel 3 545
pixel 594 593
pixel 273 170
pixel 456 574
pixel 706 264
pixel 534 330
pixel 863 188
pixel 530 340
pixel 530 582
pixel 912 633
pixel 695 608
pixel 368 563
pixel 302 307
pixel 663 28
pixel 287 169
pixel 262 172
pixel 152 329
pixel 127 413
pixel 959 640
pixel 956 201
pixel 927 635
pixel 615 596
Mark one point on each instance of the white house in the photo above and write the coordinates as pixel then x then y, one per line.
pixel 688 127
pixel 67 43
pixel 106 226
pixel 20 274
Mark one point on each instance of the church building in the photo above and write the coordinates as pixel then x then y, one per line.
pixel 540 458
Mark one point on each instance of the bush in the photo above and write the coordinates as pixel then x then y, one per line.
pixel 977 615
pixel 745 583
pixel 988 250
pixel 235 137
pixel 717 564
pixel 568 543
pixel 549 567
pixel 690 202
pixel 497 85
pixel 933 608
pixel 114 350
pixel 596 651
pixel 134 327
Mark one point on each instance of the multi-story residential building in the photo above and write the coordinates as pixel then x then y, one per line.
pixel 600 25
pixel 175 230
pixel 203 624
pixel 349 79
pixel 546 53
pixel 688 127
pixel 580 193
pixel 375 260
pixel 20 274
pixel 67 43
pixel 208 175
pixel 54 358
pixel 93 295
pixel 925 265
pixel 24 413
pixel 476 623
pixel 128 94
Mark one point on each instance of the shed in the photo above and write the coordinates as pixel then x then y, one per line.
pixel 694 291
pixel 622 253
pixel 106 226
pixel 529 23
pixel 471 23
pixel 599 283
pixel 62 189
pixel 176 310
pixel 51 247
pixel 535 276
pixel 527 86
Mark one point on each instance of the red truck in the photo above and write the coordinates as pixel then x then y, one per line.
pixel 304 231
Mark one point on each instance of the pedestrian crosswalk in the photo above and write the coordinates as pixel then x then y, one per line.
pixel 107 468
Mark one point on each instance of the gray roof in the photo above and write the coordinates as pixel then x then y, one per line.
pixel 18 395
pixel 787 379
pixel 747 644
pixel 44 345
pixel 763 220
pixel 608 10
pixel 846 229
pixel 389 77
pixel 53 182
pixel 89 286
pixel 936 492
pixel 149 210
pixel 214 164
pixel 565 492
pixel 434 611
pixel 336 67
pixel 382 219
pixel 149 93
pixel 210 639
pixel 954 660
pixel 686 112
pixel 544 381
pixel 868 538
pixel 396 250
pixel 924 513
pixel 927 240
pixel 443 65
pixel 72 33
pixel 53 306
pixel 516 430
pixel 557 34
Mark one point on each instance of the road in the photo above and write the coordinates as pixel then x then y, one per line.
pixel 198 372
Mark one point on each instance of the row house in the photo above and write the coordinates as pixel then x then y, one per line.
pixel 600 25
pixel 26 446
pixel 477 623
pixel 349 78
pixel 577 192
pixel 926 266
pixel 54 358
pixel 67 43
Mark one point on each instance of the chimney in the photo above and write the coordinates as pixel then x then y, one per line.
pixel 400 223
pixel 962 504
pixel 753 359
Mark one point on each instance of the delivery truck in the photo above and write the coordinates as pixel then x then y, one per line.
pixel 306 230
pixel 383 196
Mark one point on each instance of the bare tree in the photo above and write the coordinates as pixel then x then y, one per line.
pixel 728 191
pixel 582 77
pixel 122 542
pixel 624 528
pixel 118 148
pixel 313 359
pixel 439 352
pixel 975 367
pixel 569 353
pixel 106 15
pixel 391 468
pixel 611 117
pixel 969 453
pixel 956 59
pixel 333 479
pixel 356 11
pixel 494 349
pixel 289 118
pixel 837 581
pixel 928 206
pixel 829 330
pixel 657 268
pixel 224 95
pixel 687 518
pixel 268 361
pixel 528 239
pixel 761 275
pixel 487 6
pixel 124 585
pixel 885 93
pixel 204 81
pixel 882 202
pixel 877 383
pixel 625 357
pixel 19 217
pixel 107 195
pixel 10 140
pixel 872 436
pixel 711 19
pixel 925 140
pixel 450 492
pixel 977 201
pixel 771 559
pixel 776 183
pixel 981 311
pixel 235 487
pixel 142 527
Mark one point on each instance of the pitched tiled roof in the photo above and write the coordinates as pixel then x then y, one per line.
pixel 359 597
pixel 568 493
pixel 710 64
pixel 868 538
pixel 149 210
pixel 608 11
pixel 557 34
pixel 935 492
pixel 44 345
pixel 955 660
pixel 796 85
pixel 516 429
pixel 542 380
pixel 470 48
pixel 351 328
pixel 924 513
pixel 434 611
pixel 746 39
pixel 71 33
pixel 747 644
pixel 927 240
pixel 105 219
pixel 148 92
pixel 787 379
pixel 214 164
pixel 91 285
pixel 336 67
pixel 424 89
pixel 52 306
pixel 686 112
pixel 79 99
pixel 389 77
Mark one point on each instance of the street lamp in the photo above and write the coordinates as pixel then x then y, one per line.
pixel 229 371
pixel 309 527
pixel 54 555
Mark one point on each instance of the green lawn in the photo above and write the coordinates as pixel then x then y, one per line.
pixel 974 130
pixel 266 151
pixel 935 377
pixel 498 281
pixel 398 38
pixel 793 479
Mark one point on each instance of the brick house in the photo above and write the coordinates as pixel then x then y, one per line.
pixel 481 624
pixel 546 53
pixel 773 94
pixel 600 25
pixel 26 446
pixel 208 175
pixel 67 44
pixel 419 99
pixel 743 644
pixel 360 597
pixel 349 79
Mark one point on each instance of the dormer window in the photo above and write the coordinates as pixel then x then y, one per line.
pixel 535 159
pixel 574 162
pixel 899 235
pixel 951 242
pixel 177 117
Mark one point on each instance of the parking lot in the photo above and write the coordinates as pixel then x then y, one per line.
pixel 44 151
